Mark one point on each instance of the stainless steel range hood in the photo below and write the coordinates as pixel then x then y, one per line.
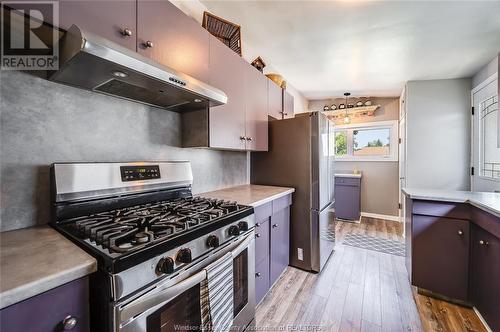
pixel 91 62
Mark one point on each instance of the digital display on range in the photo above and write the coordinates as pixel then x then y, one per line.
pixel 139 173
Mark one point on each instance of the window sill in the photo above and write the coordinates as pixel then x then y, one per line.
pixel 367 159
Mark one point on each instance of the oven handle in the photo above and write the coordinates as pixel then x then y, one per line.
pixel 164 295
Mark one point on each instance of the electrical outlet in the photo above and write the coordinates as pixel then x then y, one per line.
pixel 300 254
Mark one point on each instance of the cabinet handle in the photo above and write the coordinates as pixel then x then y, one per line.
pixel 257 274
pixel 275 226
pixel 127 32
pixel 257 235
pixel 460 232
pixel 249 139
pixel 69 323
pixel 483 243
pixel 243 138
pixel 149 44
pixel 257 224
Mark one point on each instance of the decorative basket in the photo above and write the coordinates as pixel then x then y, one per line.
pixel 227 32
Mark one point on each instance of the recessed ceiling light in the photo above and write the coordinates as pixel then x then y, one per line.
pixel 198 100
pixel 118 73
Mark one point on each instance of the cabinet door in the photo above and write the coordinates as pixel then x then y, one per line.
pixel 227 122
pixel 177 40
pixel 262 241
pixel 485 274
pixel 256 109
pixel 288 108
pixel 347 202
pixel 108 19
pixel 275 100
pixel 261 279
pixel 280 243
pixel 47 311
pixel 440 255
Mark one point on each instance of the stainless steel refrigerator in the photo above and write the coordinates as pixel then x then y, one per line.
pixel 301 156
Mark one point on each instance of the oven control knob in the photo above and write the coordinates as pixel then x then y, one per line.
pixel 166 265
pixel 243 226
pixel 184 256
pixel 213 241
pixel 234 230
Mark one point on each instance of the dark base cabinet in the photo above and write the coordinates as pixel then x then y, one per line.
pixel 272 243
pixel 453 250
pixel 50 311
pixel 485 275
pixel 441 255
pixel 348 198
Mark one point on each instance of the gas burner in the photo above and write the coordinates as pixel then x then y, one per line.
pixel 134 227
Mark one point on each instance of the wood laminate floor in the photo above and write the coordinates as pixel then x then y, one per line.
pixel 358 290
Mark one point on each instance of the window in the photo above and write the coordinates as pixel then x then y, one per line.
pixel 375 141
pixel 489 152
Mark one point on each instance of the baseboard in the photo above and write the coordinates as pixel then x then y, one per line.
pixel 482 320
pixel 380 216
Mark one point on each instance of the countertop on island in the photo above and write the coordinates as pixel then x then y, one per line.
pixel 37 259
pixel 486 201
pixel 250 194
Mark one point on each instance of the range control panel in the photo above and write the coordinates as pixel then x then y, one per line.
pixel 139 173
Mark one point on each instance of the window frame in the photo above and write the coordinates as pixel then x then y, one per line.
pixel 392 125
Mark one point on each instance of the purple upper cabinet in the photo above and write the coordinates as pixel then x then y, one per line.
pixel 275 100
pixel 485 275
pixel 168 36
pixel 288 108
pixel 227 122
pixel 256 109
pixel 440 255
pixel 113 20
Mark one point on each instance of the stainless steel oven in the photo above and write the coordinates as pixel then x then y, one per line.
pixel 173 304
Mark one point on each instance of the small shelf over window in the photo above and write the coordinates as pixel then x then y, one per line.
pixel 354 112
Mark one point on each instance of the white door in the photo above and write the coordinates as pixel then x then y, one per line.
pixel 485 156
pixel 402 167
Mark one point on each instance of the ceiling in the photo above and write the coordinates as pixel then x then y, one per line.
pixel 324 48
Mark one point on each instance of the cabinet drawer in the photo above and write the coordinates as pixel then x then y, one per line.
pixel 261 241
pixel 45 312
pixel 442 209
pixel 263 212
pixel 348 181
pixel 261 279
pixel 282 203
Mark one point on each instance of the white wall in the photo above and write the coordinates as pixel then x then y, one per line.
pixel 438 134
pixel 195 9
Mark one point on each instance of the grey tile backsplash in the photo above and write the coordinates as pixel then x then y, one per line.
pixel 44 122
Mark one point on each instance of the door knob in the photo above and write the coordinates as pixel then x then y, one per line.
pixel 127 32
pixel 148 44
pixel 483 243
pixel 69 323
pixel 460 232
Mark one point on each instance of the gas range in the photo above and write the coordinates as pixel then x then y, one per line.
pixel 143 225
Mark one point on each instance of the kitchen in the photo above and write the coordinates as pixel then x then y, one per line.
pixel 84 155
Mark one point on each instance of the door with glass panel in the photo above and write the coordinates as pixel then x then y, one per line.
pixel 485 143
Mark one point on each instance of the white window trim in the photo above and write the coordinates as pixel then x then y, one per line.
pixel 392 125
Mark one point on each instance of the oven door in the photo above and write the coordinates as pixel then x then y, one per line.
pixel 174 304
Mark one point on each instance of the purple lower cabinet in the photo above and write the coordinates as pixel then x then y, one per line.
pixel 440 255
pixel 347 198
pixel 49 311
pixel 485 275
pixel 280 243
pixel 261 279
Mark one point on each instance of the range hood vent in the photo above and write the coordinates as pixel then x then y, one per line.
pixel 91 62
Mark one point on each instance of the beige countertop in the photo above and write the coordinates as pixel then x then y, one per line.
pixel 487 201
pixel 250 194
pixel 35 260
